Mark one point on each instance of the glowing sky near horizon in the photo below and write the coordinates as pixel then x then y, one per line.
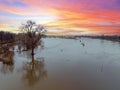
pixel 63 16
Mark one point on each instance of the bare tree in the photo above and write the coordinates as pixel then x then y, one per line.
pixel 32 34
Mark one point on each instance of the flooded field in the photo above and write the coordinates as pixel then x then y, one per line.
pixel 65 64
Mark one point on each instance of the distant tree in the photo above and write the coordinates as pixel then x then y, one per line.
pixel 6 37
pixel 32 34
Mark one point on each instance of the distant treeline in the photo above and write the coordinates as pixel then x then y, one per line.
pixel 6 36
pixel 106 37
pixel 62 36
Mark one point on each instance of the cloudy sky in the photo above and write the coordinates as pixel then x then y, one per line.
pixel 63 16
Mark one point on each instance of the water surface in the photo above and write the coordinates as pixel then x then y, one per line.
pixel 65 64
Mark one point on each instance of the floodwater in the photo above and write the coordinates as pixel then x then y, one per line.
pixel 65 64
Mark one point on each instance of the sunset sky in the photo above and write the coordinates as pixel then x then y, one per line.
pixel 67 17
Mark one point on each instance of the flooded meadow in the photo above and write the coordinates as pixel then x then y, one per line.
pixel 64 64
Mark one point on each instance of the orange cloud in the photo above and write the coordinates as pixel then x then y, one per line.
pixel 2 25
pixel 87 22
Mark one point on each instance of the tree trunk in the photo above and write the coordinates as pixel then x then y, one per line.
pixel 32 53
pixel 33 60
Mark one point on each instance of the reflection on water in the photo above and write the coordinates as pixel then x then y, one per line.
pixel 7 62
pixel 7 67
pixel 34 71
